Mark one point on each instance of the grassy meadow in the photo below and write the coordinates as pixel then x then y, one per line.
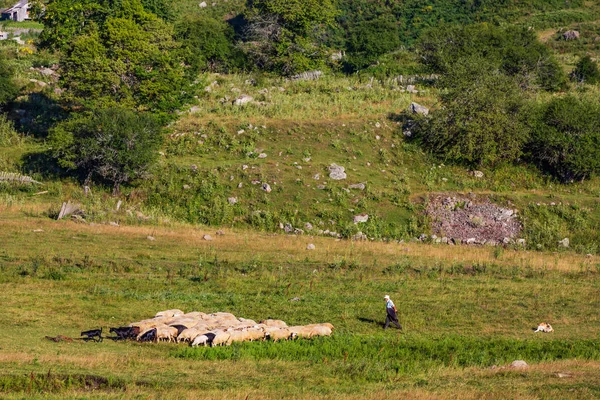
pixel 463 310
pixel 467 311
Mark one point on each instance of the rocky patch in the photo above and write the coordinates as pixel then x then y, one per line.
pixel 472 220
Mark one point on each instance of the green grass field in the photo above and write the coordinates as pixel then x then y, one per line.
pixel 467 311
pixel 463 312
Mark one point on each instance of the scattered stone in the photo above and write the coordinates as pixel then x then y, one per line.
pixel 419 109
pixel 359 186
pixel 422 237
pixel 298 231
pixel 519 364
pixel 232 200
pixel 219 232
pixel 571 35
pixel 194 167
pixel 113 223
pixel 266 187
pixel 310 247
pixel 563 375
pixel 207 237
pixel 47 71
pixel 321 187
pixel 521 242
pixel 186 187
pixel 296 298
pixel 242 100
pixel 316 177
pixel 307 76
pixel 240 131
pixel 308 226
pixel 564 243
pixel 39 83
pixel 411 89
pixel 336 172
pixel 38 230
pixel 589 255
pixel 477 174
pixel 244 167
pixel 360 218
pixel 359 236
pixel 377 125
pixel 288 228
pixel 471 241
pixel 151 238
pixel 262 155
pixel 203 4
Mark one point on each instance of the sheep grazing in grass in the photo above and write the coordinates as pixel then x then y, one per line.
pixel 201 340
pixel 216 329
pixel 221 338
pixel 277 334
pixel 169 313
pixel 167 333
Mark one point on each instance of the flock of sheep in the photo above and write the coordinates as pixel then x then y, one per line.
pixel 198 328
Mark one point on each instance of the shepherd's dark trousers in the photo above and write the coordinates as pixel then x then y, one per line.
pixel 393 318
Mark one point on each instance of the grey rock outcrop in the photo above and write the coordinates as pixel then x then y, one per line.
pixel 337 172
pixel 419 109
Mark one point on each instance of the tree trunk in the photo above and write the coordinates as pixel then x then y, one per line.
pixel 116 189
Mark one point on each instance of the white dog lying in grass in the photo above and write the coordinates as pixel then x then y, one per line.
pixel 544 327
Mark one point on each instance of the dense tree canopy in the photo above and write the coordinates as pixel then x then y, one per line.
pixel 481 118
pixel 517 52
pixel 114 144
pixel 566 139
pixel 129 58
pixel 287 36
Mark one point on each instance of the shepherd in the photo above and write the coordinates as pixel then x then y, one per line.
pixel 391 311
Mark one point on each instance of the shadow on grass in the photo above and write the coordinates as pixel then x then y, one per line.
pixel 371 321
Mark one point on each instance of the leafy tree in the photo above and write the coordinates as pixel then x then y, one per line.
pixel 369 40
pixel 587 71
pixel 114 144
pixel 566 139
pixel 206 44
pixel 515 51
pixel 8 89
pixel 161 8
pixel 480 121
pixel 130 59
pixel 287 35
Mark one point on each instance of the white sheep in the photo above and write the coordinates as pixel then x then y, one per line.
pixel 169 313
pixel 200 340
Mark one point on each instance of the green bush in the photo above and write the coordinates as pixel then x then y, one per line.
pixel 369 40
pixel 8 88
pixel 288 37
pixel 586 71
pixel 480 121
pixel 206 44
pixel 515 51
pixel 115 144
pixel 566 140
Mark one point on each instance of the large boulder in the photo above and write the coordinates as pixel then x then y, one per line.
pixel 242 100
pixel 419 109
pixel 337 172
